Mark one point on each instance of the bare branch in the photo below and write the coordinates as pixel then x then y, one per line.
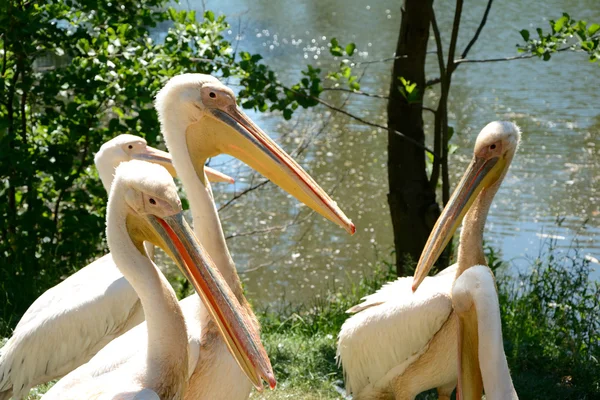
pixel 283 227
pixel 433 81
pixel 430 110
pixel 364 121
pixel 486 60
pixel 243 193
pixel 479 29
pixel 438 45
pixel 454 38
pixel 378 61
pixel 437 133
pixel 512 58
pixel 378 96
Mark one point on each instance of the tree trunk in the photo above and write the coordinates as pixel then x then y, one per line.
pixel 411 199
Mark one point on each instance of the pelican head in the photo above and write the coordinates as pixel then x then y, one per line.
pixel 127 147
pixel 494 150
pixel 154 214
pixel 201 119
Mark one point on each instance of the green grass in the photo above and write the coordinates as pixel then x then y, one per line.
pixel 551 325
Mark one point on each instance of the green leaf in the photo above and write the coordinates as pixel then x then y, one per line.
pixel 287 114
pixel 593 29
pixel 558 25
pixel 350 49
pixel 172 14
pixel 525 34
pixel 209 15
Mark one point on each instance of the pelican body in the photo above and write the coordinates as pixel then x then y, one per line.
pixel 144 206
pixel 73 320
pixel 403 341
pixel 199 119
pixel 476 303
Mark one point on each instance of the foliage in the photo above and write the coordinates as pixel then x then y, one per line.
pixel 551 324
pixel 73 75
pixel 344 72
pixel 409 91
pixel 562 32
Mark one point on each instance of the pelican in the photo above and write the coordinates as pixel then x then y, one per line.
pixel 482 358
pixel 401 341
pixel 71 321
pixel 143 206
pixel 199 119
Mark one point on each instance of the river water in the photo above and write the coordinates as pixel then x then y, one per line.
pixel 284 252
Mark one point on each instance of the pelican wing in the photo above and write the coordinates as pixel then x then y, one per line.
pixel 390 290
pixel 128 351
pixel 392 329
pixel 67 325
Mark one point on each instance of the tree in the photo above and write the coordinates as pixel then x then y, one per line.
pixel 411 198
pixel 412 195
pixel 74 74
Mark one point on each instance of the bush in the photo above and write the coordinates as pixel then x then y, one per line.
pixel 74 74
pixel 551 325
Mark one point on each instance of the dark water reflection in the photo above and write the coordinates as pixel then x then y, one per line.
pixel 556 172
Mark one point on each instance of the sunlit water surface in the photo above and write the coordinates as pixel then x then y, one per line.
pixel 284 252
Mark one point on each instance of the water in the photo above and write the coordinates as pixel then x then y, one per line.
pixel 556 172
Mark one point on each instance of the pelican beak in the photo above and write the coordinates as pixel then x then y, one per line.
pixel 216 176
pixel 163 158
pixel 239 137
pixel 480 174
pixel 470 382
pixel 156 156
pixel 242 338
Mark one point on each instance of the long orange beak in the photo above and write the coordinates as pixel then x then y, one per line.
pixel 163 158
pixel 239 137
pixel 480 174
pixel 233 321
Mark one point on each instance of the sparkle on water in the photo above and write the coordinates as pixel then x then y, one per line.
pixel 284 251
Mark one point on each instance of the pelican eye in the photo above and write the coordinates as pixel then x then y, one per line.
pixel 492 147
pixel 152 201
pixel 130 146
pixel 212 95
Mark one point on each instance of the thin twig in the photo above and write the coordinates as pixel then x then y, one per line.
pixel 243 193
pixel 437 134
pixel 362 120
pixel 283 227
pixel 485 60
pixel 433 81
pixel 521 57
pixel 430 110
pixel 378 96
pixel 378 61
pixel 479 29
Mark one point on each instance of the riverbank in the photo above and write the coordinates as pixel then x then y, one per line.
pixel 550 319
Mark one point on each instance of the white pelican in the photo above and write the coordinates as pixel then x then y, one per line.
pixel 71 321
pixel 482 361
pixel 402 343
pixel 143 206
pixel 200 119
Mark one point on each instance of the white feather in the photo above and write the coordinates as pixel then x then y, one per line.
pixel 59 332
pixel 392 330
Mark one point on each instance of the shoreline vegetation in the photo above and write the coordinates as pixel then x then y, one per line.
pixel 550 320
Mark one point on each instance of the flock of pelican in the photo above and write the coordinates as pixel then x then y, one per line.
pixel 115 329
